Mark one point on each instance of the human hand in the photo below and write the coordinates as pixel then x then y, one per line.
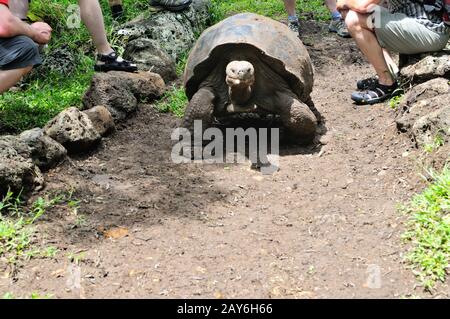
pixel 42 32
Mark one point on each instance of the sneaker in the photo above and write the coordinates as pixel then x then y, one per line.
pixel 294 26
pixel 171 5
pixel 338 26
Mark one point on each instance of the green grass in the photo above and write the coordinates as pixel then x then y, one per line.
pixel 438 141
pixel 33 295
pixel 174 101
pixel 181 64
pixel 44 98
pixel 16 227
pixel 313 9
pixel 394 102
pixel 428 230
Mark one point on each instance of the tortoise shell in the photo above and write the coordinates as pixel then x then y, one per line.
pixel 280 48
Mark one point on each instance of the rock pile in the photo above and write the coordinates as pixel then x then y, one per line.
pixel 424 111
pixel 23 157
pixel 156 42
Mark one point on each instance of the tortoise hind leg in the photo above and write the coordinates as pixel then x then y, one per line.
pixel 298 119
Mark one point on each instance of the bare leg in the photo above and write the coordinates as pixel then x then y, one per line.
pixel 390 62
pixel 331 5
pixel 92 16
pixel 19 8
pixel 367 42
pixel 10 77
pixel 290 7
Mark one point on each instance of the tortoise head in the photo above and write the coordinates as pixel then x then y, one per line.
pixel 240 73
pixel 240 78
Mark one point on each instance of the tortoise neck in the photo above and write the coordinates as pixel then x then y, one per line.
pixel 240 94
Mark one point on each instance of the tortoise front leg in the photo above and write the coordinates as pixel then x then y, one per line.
pixel 298 118
pixel 201 107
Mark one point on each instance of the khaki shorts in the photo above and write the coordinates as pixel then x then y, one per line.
pixel 399 33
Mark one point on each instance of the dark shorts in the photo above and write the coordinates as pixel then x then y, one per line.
pixel 18 52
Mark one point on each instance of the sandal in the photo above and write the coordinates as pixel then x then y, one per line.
pixel 371 82
pixel 378 93
pixel 113 62
pixel 368 83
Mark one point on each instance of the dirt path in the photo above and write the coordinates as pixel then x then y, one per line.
pixel 320 227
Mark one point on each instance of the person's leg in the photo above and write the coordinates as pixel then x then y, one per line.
pixel 10 77
pixel 385 86
pixel 390 62
pixel 92 16
pixel 337 23
pixel 108 60
pixel 290 7
pixel 368 43
pixel 19 8
pixel 292 15
pixel 331 5
pixel 372 81
pixel 18 56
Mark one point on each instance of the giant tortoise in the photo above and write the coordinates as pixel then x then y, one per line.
pixel 250 64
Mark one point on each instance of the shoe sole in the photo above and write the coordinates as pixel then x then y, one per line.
pixel 371 102
pixel 105 68
pixel 376 100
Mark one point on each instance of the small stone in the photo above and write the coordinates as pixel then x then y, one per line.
pixel 17 170
pixel 46 153
pixel 74 130
pixel 428 67
pixel 147 54
pixel 381 173
pixel 435 124
pixel 101 119
pixel 121 92
pixel 416 102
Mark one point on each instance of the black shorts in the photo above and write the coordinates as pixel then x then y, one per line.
pixel 18 52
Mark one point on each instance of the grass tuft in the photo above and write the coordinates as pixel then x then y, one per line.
pixel 313 9
pixel 428 230
pixel 16 227
pixel 174 101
